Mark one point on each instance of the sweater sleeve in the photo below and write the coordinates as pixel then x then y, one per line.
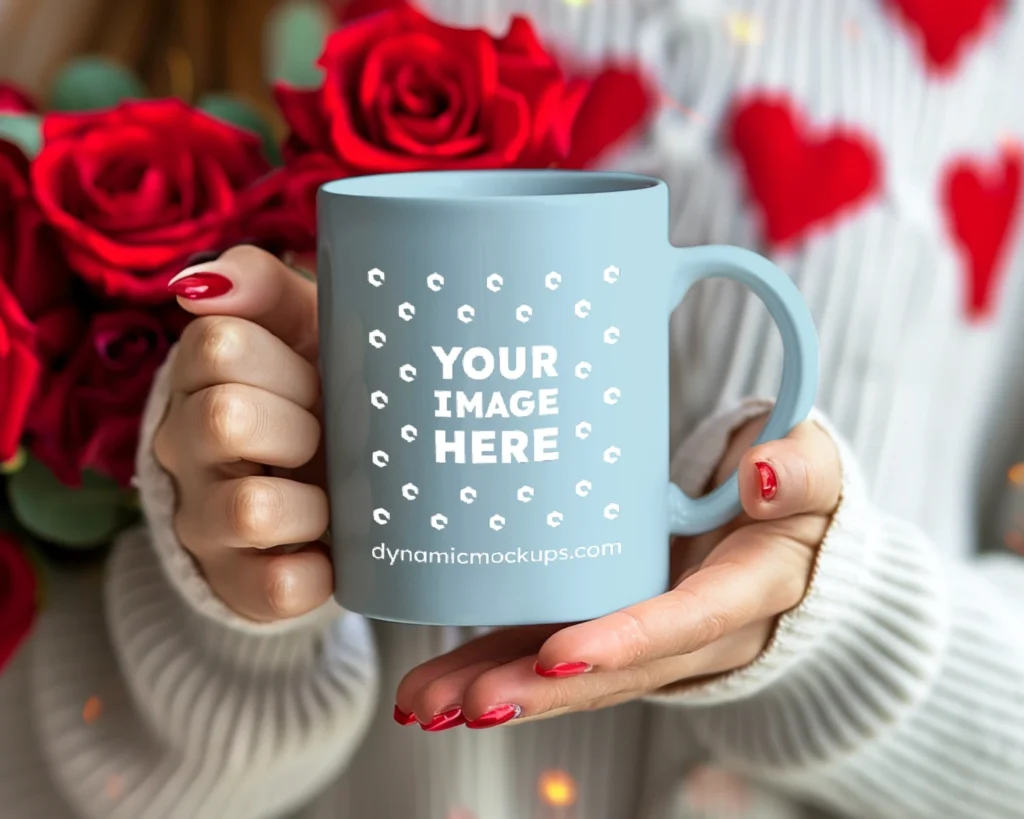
pixel 229 717
pixel 894 690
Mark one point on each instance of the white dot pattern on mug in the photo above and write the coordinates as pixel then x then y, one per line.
pixel 466 314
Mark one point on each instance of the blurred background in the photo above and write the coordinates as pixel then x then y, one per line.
pixel 180 48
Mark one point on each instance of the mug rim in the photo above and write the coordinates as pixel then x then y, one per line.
pixel 500 185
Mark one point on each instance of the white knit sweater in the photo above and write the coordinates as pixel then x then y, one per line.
pixel 894 691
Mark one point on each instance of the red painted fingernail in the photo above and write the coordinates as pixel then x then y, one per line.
pixel 498 715
pixel 560 670
pixel 403 718
pixel 769 480
pixel 449 718
pixel 200 286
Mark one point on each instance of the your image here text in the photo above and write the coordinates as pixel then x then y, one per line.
pixel 507 364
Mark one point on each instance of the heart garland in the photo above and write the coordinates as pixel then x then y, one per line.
pixel 945 28
pixel 980 202
pixel 801 178
pixel 798 177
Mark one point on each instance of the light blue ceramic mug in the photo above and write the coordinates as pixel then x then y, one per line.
pixel 494 351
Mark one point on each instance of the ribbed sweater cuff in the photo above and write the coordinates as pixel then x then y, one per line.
pixel 159 502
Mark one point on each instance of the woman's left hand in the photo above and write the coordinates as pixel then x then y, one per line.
pixel 733 585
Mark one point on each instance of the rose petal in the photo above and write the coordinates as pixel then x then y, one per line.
pixel 425 135
pixel 349 10
pixel 19 371
pixel 281 209
pixel 522 41
pixel 14 100
pixel 509 127
pixel 110 450
pixel 19 594
pixel 301 109
pixel 618 102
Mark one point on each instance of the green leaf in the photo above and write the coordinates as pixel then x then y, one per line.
pixel 295 37
pixel 243 115
pixel 92 83
pixel 25 130
pixel 75 517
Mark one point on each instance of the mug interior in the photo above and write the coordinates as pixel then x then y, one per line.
pixel 463 185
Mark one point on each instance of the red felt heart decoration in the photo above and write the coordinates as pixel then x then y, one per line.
pixel 980 202
pixel 800 178
pixel 945 27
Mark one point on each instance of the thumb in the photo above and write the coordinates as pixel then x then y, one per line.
pixel 249 283
pixel 797 475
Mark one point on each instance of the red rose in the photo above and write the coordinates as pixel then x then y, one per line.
pixel 404 93
pixel 282 210
pixel 18 595
pixel 15 101
pixel 24 289
pixel 30 263
pixel 136 190
pixel 347 10
pixel 87 416
pixel 19 372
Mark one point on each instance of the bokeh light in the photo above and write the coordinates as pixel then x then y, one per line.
pixel 92 710
pixel 716 791
pixel 16 462
pixel 557 788
pixel 113 788
pixel 1017 474
pixel 744 28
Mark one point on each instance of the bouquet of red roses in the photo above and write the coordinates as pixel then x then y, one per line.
pixel 99 208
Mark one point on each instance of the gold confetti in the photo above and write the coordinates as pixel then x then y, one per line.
pixel 557 788
pixel 1016 474
pixel 578 4
pixel 744 29
pixel 92 710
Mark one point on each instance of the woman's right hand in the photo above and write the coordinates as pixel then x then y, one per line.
pixel 242 435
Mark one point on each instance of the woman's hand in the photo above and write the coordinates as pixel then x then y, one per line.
pixel 734 583
pixel 241 437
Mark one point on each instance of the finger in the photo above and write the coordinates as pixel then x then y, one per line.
pixel 496 692
pixel 442 695
pixel 266 588
pixel 249 283
pixel 797 475
pixel 755 573
pixel 227 350
pixel 498 646
pixel 234 422
pixel 255 512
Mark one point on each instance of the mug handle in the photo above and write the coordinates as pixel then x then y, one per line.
pixel 692 516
